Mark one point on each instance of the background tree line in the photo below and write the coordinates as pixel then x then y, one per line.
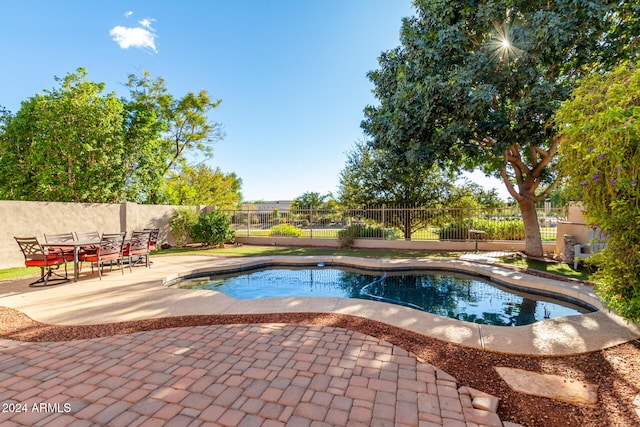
pixel 75 143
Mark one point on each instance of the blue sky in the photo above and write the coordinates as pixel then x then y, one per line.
pixel 291 73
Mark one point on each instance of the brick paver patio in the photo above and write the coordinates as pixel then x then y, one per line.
pixel 229 375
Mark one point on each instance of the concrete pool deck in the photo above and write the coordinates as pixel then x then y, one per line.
pixel 142 295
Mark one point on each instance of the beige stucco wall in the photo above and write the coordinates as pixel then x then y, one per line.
pixel 138 217
pixel 575 226
pixel 28 219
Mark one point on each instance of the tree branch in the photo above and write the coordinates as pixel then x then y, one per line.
pixel 512 155
pixel 546 191
pixel 509 184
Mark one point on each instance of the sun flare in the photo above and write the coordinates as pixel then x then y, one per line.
pixel 501 45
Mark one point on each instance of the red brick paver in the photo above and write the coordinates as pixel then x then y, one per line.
pixel 229 375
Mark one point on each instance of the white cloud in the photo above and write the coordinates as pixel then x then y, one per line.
pixel 127 37
pixel 147 23
pixel 143 36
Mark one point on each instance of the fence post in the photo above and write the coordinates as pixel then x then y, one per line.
pixel 249 223
pixel 310 222
pixel 384 234
pixel 468 221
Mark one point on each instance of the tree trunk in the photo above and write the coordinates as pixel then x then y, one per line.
pixel 533 240
pixel 407 224
pixel 527 313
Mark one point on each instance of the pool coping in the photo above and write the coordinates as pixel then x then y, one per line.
pixel 142 295
pixel 559 336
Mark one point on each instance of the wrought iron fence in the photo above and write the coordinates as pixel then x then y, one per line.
pixel 386 222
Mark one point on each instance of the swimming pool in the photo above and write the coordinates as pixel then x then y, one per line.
pixel 454 295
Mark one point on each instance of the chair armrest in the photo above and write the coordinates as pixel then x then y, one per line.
pixel 578 251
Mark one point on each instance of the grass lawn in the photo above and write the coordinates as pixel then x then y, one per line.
pixel 560 268
pixel 13 273
pixel 250 250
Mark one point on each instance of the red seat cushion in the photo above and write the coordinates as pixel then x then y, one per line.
pixel 51 259
pixel 136 252
pixel 105 257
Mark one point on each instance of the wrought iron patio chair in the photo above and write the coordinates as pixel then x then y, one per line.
pixel 86 236
pixel 60 237
pixel 153 239
pixel 138 247
pixel 108 251
pixel 36 256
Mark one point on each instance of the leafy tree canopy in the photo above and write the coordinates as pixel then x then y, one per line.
pixel 373 177
pixel 311 199
pixel 74 143
pixel 600 150
pixel 477 83
pixel 65 144
pixel 202 185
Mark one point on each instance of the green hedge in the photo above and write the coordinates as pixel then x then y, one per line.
pixel 504 229
pixel 347 235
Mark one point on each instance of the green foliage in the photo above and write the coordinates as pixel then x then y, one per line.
pixel 65 145
pixel 202 185
pixel 505 229
pixel 617 280
pixel 310 199
pixel 376 177
pixel 600 128
pixel 213 228
pixel 347 235
pixel 76 144
pixel 285 230
pixel 181 223
pixel 454 93
pixel 178 126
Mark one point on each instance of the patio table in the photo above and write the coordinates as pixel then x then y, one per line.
pixel 77 245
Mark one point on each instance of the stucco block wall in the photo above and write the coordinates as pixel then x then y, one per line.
pixel 28 219
pixel 575 226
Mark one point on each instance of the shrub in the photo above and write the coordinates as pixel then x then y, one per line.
pixel 347 235
pixel 285 230
pixel 504 229
pixel 600 157
pixel 181 222
pixel 454 230
pixel 213 228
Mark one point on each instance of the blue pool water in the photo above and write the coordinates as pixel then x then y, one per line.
pixel 452 295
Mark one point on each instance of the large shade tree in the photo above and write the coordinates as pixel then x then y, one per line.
pixel 65 144
pixel 477 83
pixel 373 177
